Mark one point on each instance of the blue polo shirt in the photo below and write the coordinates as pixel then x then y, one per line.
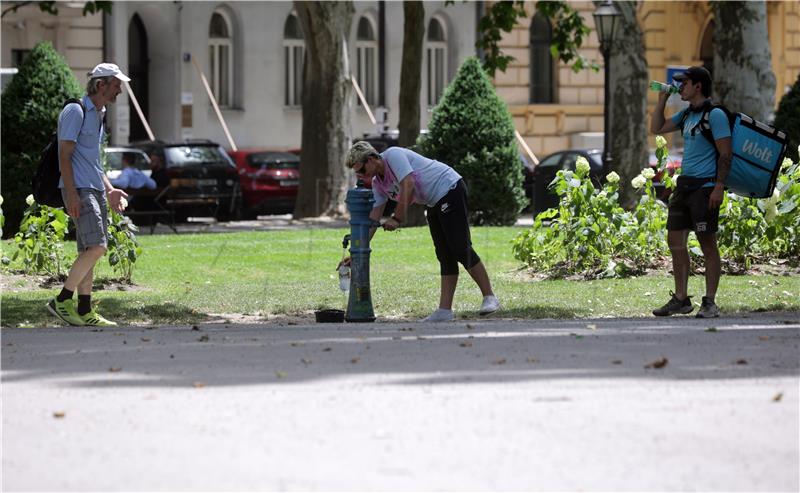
pixel 87 133
pixel 700 155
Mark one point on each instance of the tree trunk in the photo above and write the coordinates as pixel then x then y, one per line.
pixel 743 76
pixel 410 86
pixel 411 71
pixel 326 117
pixel 628 80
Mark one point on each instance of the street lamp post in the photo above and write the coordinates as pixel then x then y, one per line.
pixel 605 20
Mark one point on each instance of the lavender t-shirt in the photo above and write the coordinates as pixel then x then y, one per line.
pixel 432 179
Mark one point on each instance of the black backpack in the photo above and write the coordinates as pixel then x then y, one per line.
pixel 45 180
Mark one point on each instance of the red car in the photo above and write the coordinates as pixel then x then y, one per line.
pixel 269 179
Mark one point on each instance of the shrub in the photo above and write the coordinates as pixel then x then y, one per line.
pixel 787 118
pixel 40 240
pixel 123 249
pixel 30 106
pixel 472 131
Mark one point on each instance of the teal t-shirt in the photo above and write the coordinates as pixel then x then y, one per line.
pixel 700 155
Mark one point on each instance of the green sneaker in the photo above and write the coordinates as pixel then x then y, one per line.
pixel 65 311
pixel 93 319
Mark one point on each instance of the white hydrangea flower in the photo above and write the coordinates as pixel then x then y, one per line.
pixel 602 194
pixel 124 202
pixel 786 163
pixel 639 181
pixel 770 212
pixel 1 200
pixel 661 141
pixel 568 175
pixel 29 199
pixel 648 173
pixel 582 165
pixel 612 177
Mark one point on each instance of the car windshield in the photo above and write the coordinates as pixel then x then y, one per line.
pixel 189 156
pixel 138 159
pixel 273 160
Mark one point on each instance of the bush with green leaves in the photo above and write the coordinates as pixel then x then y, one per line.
pixel 591 235
pixel 40 240
pixel 30 106
pixel 123 249
pixel 787 118
pixel 472 131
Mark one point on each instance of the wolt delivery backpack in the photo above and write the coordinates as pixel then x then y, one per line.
pixel 45 180
pixel 758 152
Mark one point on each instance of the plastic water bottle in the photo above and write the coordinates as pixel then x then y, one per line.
pixel 344 277
pixel 662 87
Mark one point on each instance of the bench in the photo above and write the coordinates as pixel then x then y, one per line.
pixel 151 204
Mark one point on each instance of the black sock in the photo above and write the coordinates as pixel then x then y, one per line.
pixel 84 304
pixel 64 295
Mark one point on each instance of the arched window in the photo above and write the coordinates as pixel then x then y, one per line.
pixel 542 66
pixel 367 59
pixel 293 52
pixel 220 56
pixel 436 54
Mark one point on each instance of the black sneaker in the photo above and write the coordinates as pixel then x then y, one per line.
pixel 708 309
pixel 674 306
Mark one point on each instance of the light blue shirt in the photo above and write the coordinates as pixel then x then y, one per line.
pixel 133 178
pixel 432 179
pixel 700 155
pixel 87 133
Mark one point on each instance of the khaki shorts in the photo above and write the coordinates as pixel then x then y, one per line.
pixel 91 227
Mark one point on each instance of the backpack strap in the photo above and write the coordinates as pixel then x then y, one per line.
pixel 705 126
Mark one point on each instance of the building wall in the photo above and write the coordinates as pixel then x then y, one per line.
pixel 79 39
pixel 673 36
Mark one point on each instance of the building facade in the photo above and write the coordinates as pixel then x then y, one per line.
pixel 555 108
pixel 251 54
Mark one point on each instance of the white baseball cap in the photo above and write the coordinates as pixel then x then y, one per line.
pixel 108 70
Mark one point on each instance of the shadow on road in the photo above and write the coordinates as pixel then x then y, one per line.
pixel 505 351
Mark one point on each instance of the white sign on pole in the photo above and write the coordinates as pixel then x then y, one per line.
pixel 187 98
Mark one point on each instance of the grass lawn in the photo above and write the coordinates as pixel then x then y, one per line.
pixel 191 278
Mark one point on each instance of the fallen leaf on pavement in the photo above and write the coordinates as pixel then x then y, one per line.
pixel 711 329
pixel 500 361
pixel 591 326
pixel 145 339
pixel 59 414
pixel 617 362
pixel 469 326
pixel 114 369
pixel 296 344
pixel 466 344
pixel 203 338
pixel 741 361
pixel 657 364
pixel 764 338
pixel 199 385
pixel 354 360
pixel 531 360
pixel 326 349
pixel 777 397
pixel 280 374
pixel 305 361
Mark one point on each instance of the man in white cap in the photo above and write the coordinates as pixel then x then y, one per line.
pixel 84 187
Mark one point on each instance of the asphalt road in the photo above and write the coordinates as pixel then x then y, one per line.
pixel 604 404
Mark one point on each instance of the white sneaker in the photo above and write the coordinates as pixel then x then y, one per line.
pixel 440 315
pixel 490 304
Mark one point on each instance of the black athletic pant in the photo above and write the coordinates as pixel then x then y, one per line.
pixel 449 227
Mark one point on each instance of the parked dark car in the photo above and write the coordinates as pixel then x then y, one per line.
pixel 545 172
pixel 203 179
pixel 269 179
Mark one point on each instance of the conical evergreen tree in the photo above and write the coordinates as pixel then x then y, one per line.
pixel 472 131
pixel 787 118
pixel 30 106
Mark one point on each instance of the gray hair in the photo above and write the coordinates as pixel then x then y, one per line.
pixel 92 85
pixel 359 153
